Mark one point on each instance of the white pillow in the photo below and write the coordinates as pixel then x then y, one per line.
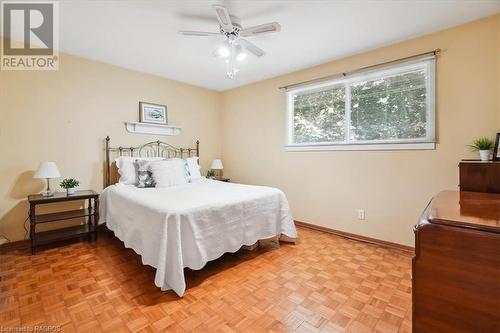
pixel 194 168
pixel 128 170
pixel 169 172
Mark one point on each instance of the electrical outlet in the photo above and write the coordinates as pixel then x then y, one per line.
pixel 361 214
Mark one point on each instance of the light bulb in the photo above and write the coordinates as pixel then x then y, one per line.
pixel 223 51
pixel 239 53
pixel 241 56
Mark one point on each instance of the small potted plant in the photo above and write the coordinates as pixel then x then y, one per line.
pixel 483 145
pixel 210 174
pixel 69 184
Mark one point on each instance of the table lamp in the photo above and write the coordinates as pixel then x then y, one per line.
pixel 47 170
pixel 217 165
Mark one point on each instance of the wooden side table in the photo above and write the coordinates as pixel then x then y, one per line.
pixel 91 211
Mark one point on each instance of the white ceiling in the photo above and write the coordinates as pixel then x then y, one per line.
pixel 142 35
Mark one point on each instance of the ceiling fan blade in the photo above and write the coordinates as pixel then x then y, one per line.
pixel 223 17
pixel 252 48
pixel 197 33
pixel 261 29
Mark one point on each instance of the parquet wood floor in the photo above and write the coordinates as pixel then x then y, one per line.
pixel 324 283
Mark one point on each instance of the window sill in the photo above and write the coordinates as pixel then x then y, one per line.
pixel 380 146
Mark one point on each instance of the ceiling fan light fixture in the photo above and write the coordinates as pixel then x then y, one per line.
pixel 234 48
pixel 241 56
pixel 223 52
pixel 239 53
pixel 230 74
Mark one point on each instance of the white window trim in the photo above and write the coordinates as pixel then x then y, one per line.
pixel 351 146
pixel 429 142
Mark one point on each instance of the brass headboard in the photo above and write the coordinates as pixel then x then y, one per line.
pixel 150 149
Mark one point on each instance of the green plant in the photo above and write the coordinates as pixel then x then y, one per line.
pixel 69 183
pixel 210 174
pixel 482 144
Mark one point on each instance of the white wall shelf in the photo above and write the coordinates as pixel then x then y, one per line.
pixel 157 129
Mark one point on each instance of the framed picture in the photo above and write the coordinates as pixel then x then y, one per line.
pixel 152 113
pixel 496 153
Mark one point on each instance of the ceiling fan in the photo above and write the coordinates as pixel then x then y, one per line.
pixel 234 46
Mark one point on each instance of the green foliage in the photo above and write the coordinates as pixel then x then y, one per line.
pixel 390 108
pixel 482 144
pixel 69 183
pixel 393 107
pixel 210 174
pixel 320 116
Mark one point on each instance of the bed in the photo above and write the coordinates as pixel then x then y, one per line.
pixel 190 224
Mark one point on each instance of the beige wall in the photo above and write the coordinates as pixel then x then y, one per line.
pixel 64 116
pixel 327 188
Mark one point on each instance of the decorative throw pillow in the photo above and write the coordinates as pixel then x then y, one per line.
pixel 193 168
pixel 169 172
pixel 144 174
pixel 127 168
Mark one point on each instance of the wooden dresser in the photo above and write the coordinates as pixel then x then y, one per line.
pixel 479 176
pixel 456 268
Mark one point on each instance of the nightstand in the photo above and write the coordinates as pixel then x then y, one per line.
pixel 227 180
pixel 91 212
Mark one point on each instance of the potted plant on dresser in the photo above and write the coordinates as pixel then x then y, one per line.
pixel 69 184
pixel 484 146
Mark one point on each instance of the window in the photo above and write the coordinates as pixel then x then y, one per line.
pixel 390 108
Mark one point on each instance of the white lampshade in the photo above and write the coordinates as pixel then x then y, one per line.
pixel 47 170
pixel 217 165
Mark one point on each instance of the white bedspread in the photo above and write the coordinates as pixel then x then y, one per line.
pixel 191 224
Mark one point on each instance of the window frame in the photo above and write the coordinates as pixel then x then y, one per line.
pixel 428 64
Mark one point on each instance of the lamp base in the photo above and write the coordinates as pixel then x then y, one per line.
pixel 47 193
